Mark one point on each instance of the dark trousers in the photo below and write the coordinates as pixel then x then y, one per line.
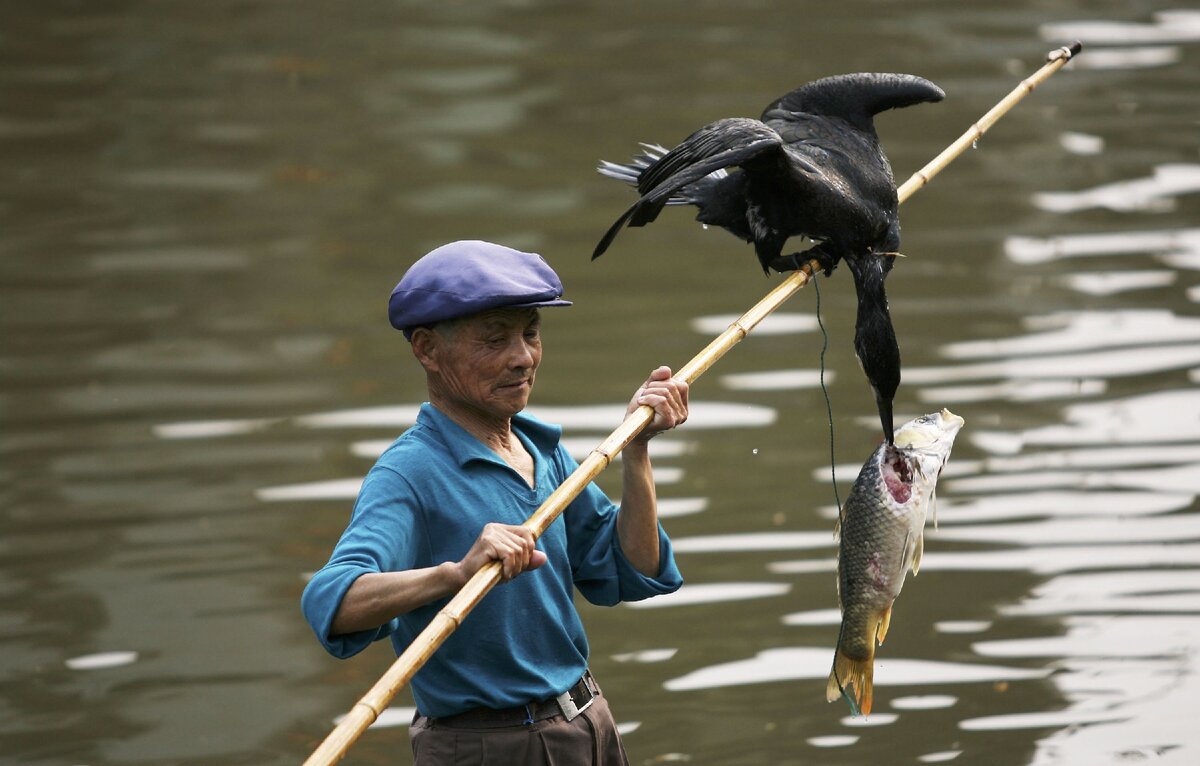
pixel 590 739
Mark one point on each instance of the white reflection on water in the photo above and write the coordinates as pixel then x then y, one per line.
pixel 1105 364
pixel 333 489
pixel 778 323
pixel 1162 417
pixel 942 756
pixel 875 719
pixel 646 656
pixel 1133 679
pixel 1101 457
pixel 924 702
pixel 1114 282
pixel 1185 478
pixel 1064 558
pixel 1172 26
pixel 1019 505
pixel 209 429
pixel 814 617
pixel 1038 560
pixel 713 593
pixel 1165 591
pixel 1130 58
pixel 833 740
pixel 101 660
pixel 802 663
pixel 1014 391
pixel 1047 720
pixel 680 506
pixel 1074 331
pixel 754 541
pixel 1081 143
pixel 1167 243
pixel 776 380
pixel 1153 194
pixel 1084 531
pixel 962 626
pixel 808 566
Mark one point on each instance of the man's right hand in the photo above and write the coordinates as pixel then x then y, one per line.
pixel 511 544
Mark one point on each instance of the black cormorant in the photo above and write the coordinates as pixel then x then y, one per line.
pixel 811 166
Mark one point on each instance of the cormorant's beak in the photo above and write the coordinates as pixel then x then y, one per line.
pixel 885 416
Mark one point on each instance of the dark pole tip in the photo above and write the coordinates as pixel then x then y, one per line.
pixel 1066 52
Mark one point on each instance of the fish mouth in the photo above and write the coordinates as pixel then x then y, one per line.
pixel 952 421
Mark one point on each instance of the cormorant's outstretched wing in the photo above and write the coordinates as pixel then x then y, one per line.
pixel 856 98
pixel 716 146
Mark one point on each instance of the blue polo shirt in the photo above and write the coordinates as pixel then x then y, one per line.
pixel 425 502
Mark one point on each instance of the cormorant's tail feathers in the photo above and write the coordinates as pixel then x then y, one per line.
pixel 715 146
pixel 611 234
pixel 631 172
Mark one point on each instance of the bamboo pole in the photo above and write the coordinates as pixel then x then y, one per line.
pixel 1055 60
pixel 373 703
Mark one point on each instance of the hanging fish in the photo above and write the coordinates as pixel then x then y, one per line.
pixel 881 530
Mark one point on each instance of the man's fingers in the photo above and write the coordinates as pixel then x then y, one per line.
pixel 513 546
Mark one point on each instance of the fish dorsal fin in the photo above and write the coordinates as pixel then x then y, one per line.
pixel 856 98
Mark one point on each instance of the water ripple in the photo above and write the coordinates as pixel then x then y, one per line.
pixel 1153 193
pixel 801 663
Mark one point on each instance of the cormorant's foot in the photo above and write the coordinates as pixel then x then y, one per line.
pixel 795 261
pixel 822 256
pixel 786 263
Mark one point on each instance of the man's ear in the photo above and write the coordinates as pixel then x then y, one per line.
pixel 425 347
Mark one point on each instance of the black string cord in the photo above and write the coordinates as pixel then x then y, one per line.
pixel 825 390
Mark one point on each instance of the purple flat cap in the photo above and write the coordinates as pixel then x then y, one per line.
pixel 467 277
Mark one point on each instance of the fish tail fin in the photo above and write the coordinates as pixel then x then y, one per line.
pixel 852 679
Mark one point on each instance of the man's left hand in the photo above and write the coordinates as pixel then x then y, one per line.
pixel 668 397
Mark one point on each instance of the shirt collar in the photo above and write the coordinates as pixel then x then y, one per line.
pixel 465 448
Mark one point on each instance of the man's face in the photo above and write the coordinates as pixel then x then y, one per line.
pixel 488 361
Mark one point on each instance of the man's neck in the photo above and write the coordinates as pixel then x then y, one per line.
pixel 494 432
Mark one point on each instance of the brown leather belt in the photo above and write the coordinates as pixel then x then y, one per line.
pixel 569 704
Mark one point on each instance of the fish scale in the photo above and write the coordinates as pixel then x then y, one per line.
pixel 881 530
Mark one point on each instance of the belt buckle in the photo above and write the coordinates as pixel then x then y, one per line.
pixel 567 705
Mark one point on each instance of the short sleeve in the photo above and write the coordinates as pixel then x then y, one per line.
pixel 379 538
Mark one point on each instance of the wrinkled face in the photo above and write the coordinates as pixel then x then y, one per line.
pixel 487 362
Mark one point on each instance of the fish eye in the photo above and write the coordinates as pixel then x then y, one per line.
pixel 923 419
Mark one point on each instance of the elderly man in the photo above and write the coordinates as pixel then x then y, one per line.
pixel 511 686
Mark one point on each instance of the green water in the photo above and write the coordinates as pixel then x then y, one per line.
pixel 204 206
